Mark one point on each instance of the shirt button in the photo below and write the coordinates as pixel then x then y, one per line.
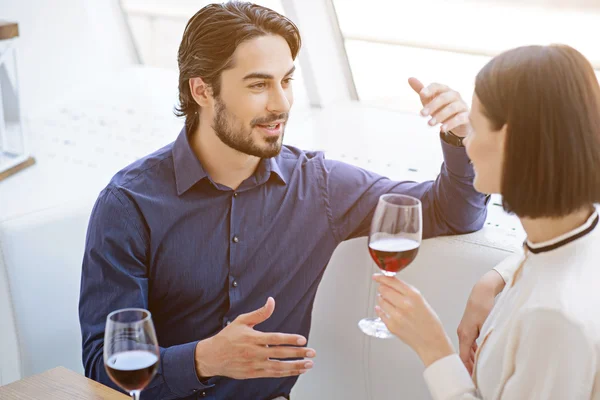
pixel 203 394
pixel 228 322
pixel 235 194
pixel 234 284
pixel 236 239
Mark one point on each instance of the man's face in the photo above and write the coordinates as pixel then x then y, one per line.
pixel 252 108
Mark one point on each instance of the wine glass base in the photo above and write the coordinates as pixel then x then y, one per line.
pixel 374 327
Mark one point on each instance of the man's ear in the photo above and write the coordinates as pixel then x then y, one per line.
pixel 201 92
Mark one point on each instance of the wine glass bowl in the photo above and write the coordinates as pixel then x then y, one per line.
pixel 131 352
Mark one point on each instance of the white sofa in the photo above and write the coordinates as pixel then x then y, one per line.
pixel 10 360
pixel 42 254
pixel 42 260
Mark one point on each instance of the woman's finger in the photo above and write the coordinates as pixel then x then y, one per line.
pixel 388 307
pixel 394 283
pixel 394 297
pixel 384 317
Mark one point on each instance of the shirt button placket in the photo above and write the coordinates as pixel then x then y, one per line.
pixel 234 256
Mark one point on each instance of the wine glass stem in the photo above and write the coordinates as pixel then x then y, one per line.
pixel 135 394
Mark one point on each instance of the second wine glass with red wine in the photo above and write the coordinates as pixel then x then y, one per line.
pixel 131 352
pixel 396 233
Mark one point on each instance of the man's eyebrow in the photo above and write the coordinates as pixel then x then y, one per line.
pixel 291 71
pixel 262 75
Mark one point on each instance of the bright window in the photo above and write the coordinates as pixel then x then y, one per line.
pixel 388 41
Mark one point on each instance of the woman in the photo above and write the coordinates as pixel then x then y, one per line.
pixel 536 140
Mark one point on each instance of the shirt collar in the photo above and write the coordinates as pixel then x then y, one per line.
pixel 189 170
pixel 270 166
pixel 566 238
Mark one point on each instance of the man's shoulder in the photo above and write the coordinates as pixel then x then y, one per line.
pixel 296 154
pixel 152 167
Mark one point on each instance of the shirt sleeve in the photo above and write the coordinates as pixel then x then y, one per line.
pixel 115 276
pixel 450 203
pixel 507 267
pixel 448 379
pixel 554 360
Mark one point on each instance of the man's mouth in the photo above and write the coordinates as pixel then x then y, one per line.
pixel 273 128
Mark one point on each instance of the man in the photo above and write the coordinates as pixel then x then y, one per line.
pixel 209 231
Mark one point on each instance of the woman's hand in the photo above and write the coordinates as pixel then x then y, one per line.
pixel 408 315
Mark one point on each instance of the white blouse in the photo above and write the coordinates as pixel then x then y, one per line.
pixel 542 339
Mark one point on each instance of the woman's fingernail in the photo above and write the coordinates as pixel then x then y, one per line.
pixel 425 112
pixel 308 365
pixel 425 92
pixel 432 122
pixel 310 353
pixel 444 128
pixel 301 341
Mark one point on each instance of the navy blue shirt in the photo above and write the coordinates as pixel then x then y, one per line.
pixel 165 237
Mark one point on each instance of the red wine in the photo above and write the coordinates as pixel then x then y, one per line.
pixel 393 254
pixel 132 370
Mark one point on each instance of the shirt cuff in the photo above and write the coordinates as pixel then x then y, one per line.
pixel 447 378
pixel 457 161
pixel 179 370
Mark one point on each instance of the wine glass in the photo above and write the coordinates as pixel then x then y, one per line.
pixel 131 351
pixel 396 232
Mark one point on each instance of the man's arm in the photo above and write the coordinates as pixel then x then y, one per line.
pixel 450 203
pixel 115 276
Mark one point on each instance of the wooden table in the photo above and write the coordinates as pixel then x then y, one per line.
pixel 58 384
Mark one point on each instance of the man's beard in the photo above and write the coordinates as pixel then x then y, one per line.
pixel 240 138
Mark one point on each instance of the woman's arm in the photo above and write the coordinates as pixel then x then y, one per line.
pixel 553 357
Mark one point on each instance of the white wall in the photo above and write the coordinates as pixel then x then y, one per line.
pixel 64 44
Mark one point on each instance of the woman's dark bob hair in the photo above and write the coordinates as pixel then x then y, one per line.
pixel 549 99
